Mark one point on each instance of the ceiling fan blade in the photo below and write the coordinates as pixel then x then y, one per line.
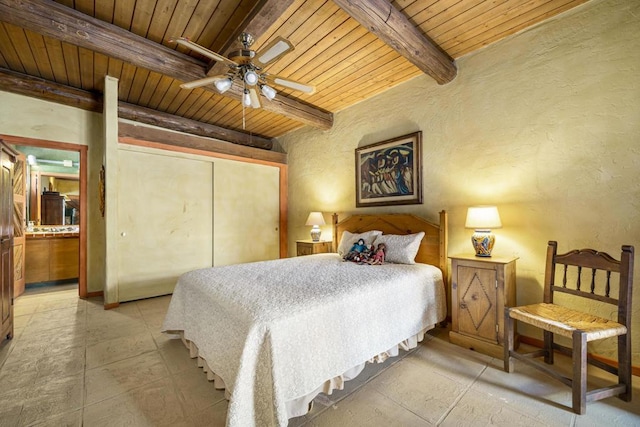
pixel 255 99
pixel 201 82
pixel 274 50
pixel 204 51
pixel 291 84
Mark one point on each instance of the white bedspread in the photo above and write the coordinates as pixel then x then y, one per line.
pixel 276 330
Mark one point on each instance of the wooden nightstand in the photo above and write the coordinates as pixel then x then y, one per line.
pixel 480 289
pixel 309 247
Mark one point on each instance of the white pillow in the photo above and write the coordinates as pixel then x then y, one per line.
pixel 401 249
pixel 348 239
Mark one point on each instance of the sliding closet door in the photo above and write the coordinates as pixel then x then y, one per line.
pixel 246 212
pixel 164 221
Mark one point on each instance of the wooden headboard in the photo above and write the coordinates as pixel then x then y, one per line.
pixel 433 248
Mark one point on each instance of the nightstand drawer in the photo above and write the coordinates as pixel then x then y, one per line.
pixel 309 247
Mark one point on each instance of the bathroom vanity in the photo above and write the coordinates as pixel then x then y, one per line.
pixel 52 254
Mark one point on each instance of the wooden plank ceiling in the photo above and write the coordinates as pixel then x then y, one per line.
pixel 344 60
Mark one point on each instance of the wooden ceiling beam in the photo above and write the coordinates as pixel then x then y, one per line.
pixel 146 136
pixel 60 22
pixel 193 127
pixel 385 21
pixel 263 15
pixel 34 87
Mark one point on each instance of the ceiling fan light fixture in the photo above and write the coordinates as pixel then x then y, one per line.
pixel 246 71
pixel 246 99
pixel 268 92
pixel 251 78
pixel 223 85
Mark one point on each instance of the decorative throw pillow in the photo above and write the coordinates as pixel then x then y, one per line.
pixel 348 239
pixel 401 249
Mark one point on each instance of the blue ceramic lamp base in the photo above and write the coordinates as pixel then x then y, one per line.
pixel 483 241
pixel 316 233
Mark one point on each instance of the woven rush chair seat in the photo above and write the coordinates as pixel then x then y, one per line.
pixel 580 327
pixel 564 321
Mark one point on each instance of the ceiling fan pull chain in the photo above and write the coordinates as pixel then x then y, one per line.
pixel 244 88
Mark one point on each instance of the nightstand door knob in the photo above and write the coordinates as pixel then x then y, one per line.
pixel 463 305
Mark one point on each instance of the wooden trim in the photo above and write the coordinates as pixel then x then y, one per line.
pixel 444 248
pixel 82 279
pixel 42 143
pixel 284 218
pixel 82 149
pixel 67 176
pixel 635 370
pixel 111 305
pixel 95 294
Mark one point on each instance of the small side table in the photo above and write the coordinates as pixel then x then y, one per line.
pixel 480 290
pixel 309 247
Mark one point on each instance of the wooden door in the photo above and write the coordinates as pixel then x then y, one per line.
pixel 19 224
pixel 6 241
pixel 477 302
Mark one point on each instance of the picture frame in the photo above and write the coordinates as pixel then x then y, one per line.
pixel 390 172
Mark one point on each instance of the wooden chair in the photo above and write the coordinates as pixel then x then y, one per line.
pixel 580 327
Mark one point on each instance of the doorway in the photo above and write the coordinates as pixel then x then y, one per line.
pixel 81 150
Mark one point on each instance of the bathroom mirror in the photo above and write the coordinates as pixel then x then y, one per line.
pixel 54 199
pixel 52 184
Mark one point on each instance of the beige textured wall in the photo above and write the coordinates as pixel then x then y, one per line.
pixel 545 125
pixel 34 118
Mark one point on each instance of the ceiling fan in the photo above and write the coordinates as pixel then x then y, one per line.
pixel 246 67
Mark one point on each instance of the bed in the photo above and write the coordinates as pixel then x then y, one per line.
pixel 274 334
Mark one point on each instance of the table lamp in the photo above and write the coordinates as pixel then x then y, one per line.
pixel 316 220
pixel 483 219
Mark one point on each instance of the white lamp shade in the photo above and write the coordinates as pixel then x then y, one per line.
pixel 223 85
pixel 315 218
pixel 483 218
pixel 268 92
pixel 246 98
pixel 251 78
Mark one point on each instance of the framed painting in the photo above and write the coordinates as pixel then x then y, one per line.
pixel 390 172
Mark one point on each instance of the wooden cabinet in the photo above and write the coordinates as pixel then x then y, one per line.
pixel 7 159
pixel 480 289
pixel 52 208
pixel 309 247
pixel 51 258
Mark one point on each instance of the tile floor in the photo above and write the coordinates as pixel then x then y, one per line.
pixel 73 363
